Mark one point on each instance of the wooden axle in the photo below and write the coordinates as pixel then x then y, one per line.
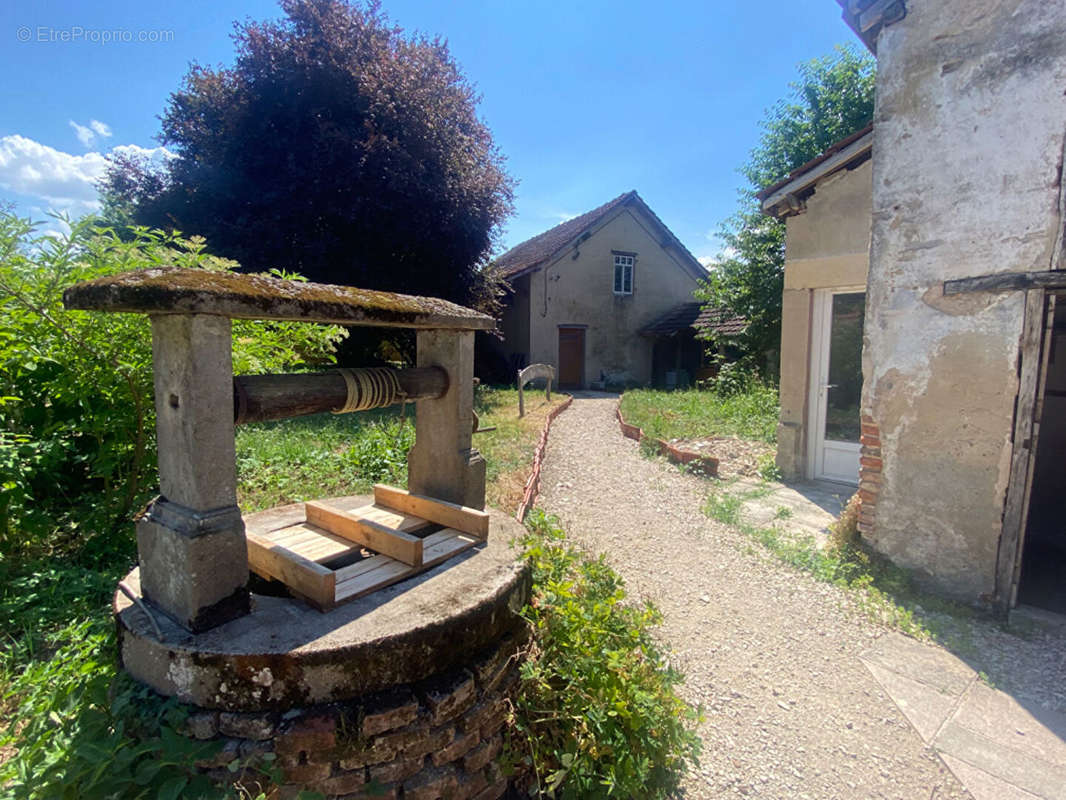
pixel 261 398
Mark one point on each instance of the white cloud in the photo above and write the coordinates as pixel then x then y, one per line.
pixel 85 135
pixel 88 134
pixel 64 181
pixel 707 261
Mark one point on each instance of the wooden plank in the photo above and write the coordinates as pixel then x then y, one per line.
pixel 380 577
pixel 263 522
pixel 444 544
pixel 1007 281
pixel 390 518
pixel 440 546
pixel 401 546
pixel 366 565
pixel 313 581
pixel 1015 506
pixel 451 515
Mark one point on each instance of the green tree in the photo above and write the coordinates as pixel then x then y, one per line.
pixel 335 146
pixel 833 98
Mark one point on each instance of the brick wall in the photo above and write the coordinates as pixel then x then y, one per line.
pixel 441 737
pixel 870 465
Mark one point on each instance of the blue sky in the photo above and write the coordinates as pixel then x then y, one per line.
pixel 585 99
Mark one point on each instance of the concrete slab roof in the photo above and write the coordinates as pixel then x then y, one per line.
pixel 240 296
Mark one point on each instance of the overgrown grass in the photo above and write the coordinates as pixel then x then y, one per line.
pixel 696 413
pixel 598 709
pixel 328 455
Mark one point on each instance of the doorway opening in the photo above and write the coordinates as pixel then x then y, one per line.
pixel 1042 582
pixel 571 357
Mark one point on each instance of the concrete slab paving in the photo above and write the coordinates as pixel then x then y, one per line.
pixel 982 785
pixel 925 707
pixel 995 746
pixel 811 506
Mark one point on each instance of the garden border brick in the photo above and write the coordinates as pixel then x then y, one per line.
pixel 707 464
pixel 533 481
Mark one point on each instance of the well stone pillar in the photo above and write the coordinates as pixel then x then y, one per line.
pixel 190 542
pixel 442 463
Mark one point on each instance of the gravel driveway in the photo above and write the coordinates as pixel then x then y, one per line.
pixel 770 653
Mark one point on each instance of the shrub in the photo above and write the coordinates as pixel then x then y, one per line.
pixel 76 410
pixel 598 707
pixel 844 532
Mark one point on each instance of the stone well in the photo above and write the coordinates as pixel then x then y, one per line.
pixel 397 690
pixel 402 693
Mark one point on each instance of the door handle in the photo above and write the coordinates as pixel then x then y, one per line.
pixel 831 386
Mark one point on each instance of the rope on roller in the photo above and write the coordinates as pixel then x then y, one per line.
pixel 370 387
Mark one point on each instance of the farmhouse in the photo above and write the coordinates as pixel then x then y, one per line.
pixel 584 291
pixel 958 187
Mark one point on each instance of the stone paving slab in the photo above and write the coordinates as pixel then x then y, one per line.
pixel 995 746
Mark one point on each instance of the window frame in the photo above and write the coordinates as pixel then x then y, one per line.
pixel 620 259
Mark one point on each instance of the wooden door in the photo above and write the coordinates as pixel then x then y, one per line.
pixel 571 358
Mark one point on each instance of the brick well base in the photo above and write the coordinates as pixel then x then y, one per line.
pixel 442 737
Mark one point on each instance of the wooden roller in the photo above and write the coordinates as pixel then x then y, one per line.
pixel 261 398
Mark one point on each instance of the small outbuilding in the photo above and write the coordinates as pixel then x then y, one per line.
pixel 583 291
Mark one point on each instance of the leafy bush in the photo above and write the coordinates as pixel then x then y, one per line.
pixel 76 410
pixel 598 706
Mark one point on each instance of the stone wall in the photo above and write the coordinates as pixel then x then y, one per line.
pixel 443 737
pixel 968 141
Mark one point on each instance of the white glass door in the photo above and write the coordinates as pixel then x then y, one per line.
pixel 836 385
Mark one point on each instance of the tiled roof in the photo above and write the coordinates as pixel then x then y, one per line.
pixel 541 249
pixel 696 317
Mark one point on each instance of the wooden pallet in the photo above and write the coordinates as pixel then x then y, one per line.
pixel 328 555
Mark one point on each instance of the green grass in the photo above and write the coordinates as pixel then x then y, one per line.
pixel 696 413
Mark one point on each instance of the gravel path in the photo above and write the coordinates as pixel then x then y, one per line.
pixel 770 653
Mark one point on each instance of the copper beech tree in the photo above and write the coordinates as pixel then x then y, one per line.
pixel 335 146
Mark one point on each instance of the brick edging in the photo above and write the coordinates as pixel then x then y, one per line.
pixel 708 464
pixel 870 468
pixel 533 481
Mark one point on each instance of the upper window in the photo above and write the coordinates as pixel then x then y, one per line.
pixel 623 274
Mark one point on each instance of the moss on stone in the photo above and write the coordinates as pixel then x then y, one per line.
pixel 236 295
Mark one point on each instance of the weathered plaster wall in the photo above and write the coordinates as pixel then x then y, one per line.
pixel 580 291
pixel 826 247
pixel 968 142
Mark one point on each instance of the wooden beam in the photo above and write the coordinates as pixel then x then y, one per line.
pixel 451 515
pixel 1007 281
pixel 313 581
pixel 395 544
pixel 1016 504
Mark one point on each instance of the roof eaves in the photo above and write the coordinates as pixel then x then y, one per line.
pixel 780 198
pixel 869 17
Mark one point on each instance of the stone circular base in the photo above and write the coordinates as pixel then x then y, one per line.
pixel 286 655
pixel 444 737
